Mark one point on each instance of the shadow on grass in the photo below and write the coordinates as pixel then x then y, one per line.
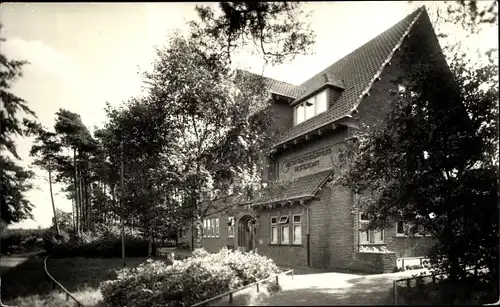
pixel 75 274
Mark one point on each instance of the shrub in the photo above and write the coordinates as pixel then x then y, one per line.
pixel 21 240
pixel 186 282
pixel 106 246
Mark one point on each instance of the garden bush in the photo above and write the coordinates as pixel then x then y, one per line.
pixel 105 246
pixel 186 282
pixel 22 240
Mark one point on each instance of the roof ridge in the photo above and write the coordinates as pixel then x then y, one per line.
pixel 247 71
pixel 387 60
pixel 360 47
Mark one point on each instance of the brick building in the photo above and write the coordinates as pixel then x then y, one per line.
pixel 309 220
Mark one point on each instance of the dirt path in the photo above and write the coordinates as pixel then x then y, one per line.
pixel 335 289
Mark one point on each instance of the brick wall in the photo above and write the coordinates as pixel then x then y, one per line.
pixel 408 246
pixel 375 262
pixel 288 255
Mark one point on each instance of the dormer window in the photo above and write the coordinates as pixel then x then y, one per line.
pixel 311 107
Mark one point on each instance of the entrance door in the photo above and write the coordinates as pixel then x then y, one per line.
pixel 246 233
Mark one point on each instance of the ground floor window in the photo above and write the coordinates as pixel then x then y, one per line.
pixel 285 234
pixel 274 230
pixel 230 227
pixel 297 229
pixel 368 236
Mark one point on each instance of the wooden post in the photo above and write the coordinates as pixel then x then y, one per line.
pixel 67 297
pixel 395 287
pixel 292 274
pixel 433 279
pixel 277 282
pixel 403 264
pixel 257 288
pixel 230 298
pixel 408 281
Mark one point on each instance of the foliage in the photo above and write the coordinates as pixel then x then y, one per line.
pixel 278 30
pixel 16 119
pixel 65 220
pixel 218 124
pixel 106 246
pixel 186 282
pixel 433 161
pixel 22 240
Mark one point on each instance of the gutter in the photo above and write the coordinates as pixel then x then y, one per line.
pixel 308 235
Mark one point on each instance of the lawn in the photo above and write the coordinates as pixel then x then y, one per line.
pixel 27 286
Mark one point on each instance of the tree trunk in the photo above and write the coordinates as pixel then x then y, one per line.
pixel 82 206
pixel 52 200
pixel 78 213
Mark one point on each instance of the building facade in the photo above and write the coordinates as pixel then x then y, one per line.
pixel 306 219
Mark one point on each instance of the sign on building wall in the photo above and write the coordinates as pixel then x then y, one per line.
pixel 306 161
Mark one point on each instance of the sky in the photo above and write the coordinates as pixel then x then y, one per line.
pixel 83 55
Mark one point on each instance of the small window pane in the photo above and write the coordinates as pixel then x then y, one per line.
pixel 296 218
pixel 364 237
pixel 285 234
pixel 284 219
pixel 217 227
pixel 297 234
pixel 310 108
pixel 209 229
pixel 274 234
pixel 321 102
pixel 299 114
pixel 274 219
pixel 400 227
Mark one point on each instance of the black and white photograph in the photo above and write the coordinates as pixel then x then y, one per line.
pixel 249 153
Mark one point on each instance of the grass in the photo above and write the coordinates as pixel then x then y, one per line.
pixel 27 286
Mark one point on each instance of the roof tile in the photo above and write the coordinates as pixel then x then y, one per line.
pixel 355 71
pixel 305 186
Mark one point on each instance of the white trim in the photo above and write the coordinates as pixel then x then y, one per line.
pixel 284 219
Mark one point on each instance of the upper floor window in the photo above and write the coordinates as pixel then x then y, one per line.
pixel 310 108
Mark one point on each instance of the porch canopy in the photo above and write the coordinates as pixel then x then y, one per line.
pixel 288 192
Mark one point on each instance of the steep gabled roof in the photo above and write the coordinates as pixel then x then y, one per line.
pixel 279 87
pixel 357 71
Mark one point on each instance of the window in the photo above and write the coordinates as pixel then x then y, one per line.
pixel 285 233
pixel 311 107
pixel 274 230
pixel 400 228
pixel 283 219
pixel 217 227
pixel 369 236
pixel 205 228
pixel 297 229
pixel 403 229
pixel 230 227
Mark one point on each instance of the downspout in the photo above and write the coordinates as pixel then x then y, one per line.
pixel 308 235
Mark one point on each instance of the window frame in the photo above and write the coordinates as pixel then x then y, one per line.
pixel 314 101
pixel 404 235
pixel 205 223
pixel 371 234
pixel 294 225
pixel 230 219
pixel 282 242
pixel 285 221
pixel 217 227
pixel 273 225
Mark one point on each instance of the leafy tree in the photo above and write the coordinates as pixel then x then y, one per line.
pixel 64 220
pixel 76 137
pixel 16 119
pixel 46 149
pixel 277 29
pixel 219 120
pixel 433 162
